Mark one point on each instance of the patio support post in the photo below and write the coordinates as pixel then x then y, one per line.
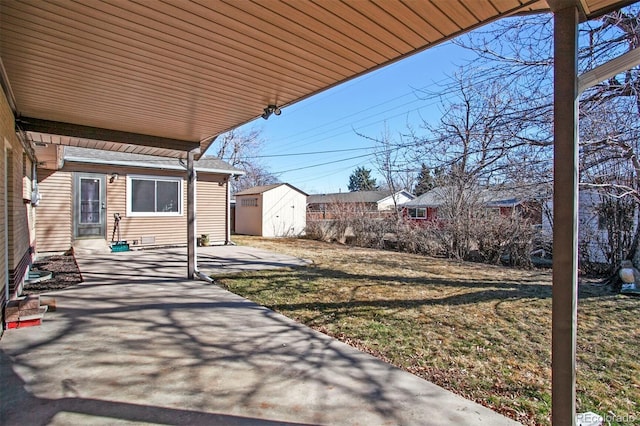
pixel 228 202
pixel 191 216
pixel 565 214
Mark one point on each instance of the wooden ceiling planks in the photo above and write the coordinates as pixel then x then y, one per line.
pixel 191 70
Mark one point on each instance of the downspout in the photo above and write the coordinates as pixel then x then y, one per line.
pixel 192 254
pixel 191 216
pixel 228 225
pixel 35 192
pixel 5 211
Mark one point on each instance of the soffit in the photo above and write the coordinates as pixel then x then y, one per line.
pixel 192 70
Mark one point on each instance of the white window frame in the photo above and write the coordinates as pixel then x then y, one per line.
pixel 417 209
pixel 129 193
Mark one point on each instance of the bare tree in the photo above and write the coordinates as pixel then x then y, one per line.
pixel 241 149
pixel 482 135
pixel 518 52
pixel 391 163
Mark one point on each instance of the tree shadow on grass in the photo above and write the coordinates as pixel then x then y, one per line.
pixel 309 280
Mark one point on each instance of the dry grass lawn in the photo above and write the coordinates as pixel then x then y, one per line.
pixel 481 331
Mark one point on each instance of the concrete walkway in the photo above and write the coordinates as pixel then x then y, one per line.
pixel 136 343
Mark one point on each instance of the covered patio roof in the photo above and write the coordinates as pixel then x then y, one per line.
pixel 166 77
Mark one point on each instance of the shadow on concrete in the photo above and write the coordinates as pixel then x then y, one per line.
pixel 44 411
pixel 136 343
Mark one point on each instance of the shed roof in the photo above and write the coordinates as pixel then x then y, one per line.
pixel 265 188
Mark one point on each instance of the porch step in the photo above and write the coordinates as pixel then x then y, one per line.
pixel 28 320
pixel 24 311
pixel 91 246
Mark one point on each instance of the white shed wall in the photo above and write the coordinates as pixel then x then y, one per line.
pixel 284 212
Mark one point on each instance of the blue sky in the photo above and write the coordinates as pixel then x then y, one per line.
pixel 387 97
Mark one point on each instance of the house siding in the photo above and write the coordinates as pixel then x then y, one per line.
pixel 4 223
pixel 54 228
pixel 141 231
pixel 389 204
pixel 591 238
pixel 18 230
pixel 211 207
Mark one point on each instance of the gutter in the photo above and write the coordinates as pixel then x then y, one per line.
pixel 147 165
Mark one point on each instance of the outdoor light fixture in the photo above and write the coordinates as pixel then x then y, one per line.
pixel 114 177
pixel 271 109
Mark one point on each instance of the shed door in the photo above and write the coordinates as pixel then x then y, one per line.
pixel 89 205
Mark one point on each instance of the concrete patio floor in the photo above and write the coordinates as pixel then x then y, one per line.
pixel 137 343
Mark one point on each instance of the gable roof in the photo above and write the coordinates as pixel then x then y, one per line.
pixel 349 197
pixel 264 188
pixel 490 196
pixel 116 158
pixel 398 193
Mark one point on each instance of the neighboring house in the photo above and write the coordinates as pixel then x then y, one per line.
pixel 501 201
pixel 593 235
pixel 84 189
pixel 271 211
pixel 329 206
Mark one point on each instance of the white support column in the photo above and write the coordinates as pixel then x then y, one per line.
pixel 565 218
pixel 191 216
pixel 228 201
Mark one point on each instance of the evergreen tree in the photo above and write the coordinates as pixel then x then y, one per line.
pixel 361 180
pixel 425 181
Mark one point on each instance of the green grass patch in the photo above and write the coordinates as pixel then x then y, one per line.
pixel 481 331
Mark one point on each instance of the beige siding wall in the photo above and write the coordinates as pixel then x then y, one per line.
pixel 54 227
pixel 145 231
pixel 249 216
pixel 137 231
pixel 22 214
pixel 18 231
pixel 211 207
pixel 4 234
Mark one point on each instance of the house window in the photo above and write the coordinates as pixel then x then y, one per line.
pixel 154 196
pixel 418 213
pixel 249 202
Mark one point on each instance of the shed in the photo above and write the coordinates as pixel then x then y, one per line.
pixel 277 210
